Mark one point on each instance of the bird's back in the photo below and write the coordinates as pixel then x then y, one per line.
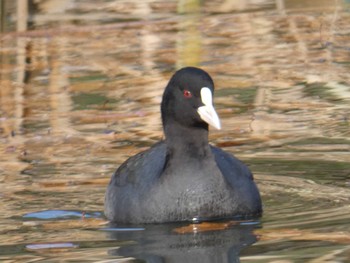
pixel 144 189
pixel 132 183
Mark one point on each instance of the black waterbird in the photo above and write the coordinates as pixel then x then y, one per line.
pixel 183 178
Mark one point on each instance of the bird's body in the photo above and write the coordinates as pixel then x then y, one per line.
pixel 183 178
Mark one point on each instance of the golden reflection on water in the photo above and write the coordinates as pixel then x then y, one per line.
pixel 76 100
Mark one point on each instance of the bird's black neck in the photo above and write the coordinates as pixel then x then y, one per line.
pixel 183 141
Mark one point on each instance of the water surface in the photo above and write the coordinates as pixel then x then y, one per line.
pixel 80 92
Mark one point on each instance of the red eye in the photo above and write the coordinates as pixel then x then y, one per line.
pixel 187 93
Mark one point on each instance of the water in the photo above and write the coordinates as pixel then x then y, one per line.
pixel 80 92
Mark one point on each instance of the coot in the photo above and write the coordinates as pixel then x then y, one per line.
pixel 183 178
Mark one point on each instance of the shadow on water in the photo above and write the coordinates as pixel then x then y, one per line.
pixel 166 243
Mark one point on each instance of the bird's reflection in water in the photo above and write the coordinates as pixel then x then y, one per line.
pixel 204 243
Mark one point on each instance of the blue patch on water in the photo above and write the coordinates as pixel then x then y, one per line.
pixel 50 246
pixel 122 229
pixel 249 223
pixel 61 214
